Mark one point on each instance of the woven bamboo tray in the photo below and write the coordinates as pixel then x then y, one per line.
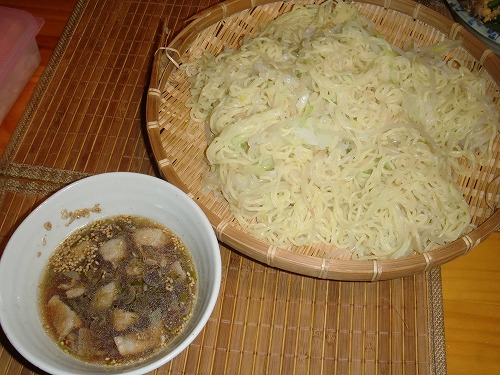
pixel 178 144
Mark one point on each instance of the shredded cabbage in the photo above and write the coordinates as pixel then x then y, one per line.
pixel 323 132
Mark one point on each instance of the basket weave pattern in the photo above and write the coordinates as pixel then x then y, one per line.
pixel 179 144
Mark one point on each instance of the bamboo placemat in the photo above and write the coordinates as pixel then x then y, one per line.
pixel 87 116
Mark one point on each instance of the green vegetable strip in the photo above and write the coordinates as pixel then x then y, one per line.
pixel 493 4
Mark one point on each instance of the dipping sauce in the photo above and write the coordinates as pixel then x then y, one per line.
pixel 117 290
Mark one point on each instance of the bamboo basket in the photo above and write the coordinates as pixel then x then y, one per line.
pixel 178 144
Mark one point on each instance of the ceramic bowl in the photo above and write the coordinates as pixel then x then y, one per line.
pixel 28 250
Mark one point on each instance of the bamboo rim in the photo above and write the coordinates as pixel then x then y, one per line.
pixel 178 150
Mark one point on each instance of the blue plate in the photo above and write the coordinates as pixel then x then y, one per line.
pixel 489 37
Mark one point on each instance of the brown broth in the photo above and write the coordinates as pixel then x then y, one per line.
pixel 118 290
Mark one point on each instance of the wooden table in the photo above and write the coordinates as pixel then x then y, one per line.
pixel 470 284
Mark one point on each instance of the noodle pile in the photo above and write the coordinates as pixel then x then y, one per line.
pixel 322 132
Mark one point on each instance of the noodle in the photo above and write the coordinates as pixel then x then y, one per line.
pixel 325 133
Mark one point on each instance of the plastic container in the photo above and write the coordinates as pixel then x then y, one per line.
pixel 19 54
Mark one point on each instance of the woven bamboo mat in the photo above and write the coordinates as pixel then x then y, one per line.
pixel 87 116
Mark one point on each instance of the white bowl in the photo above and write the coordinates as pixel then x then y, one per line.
pixel 30 247
pixel 489 37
